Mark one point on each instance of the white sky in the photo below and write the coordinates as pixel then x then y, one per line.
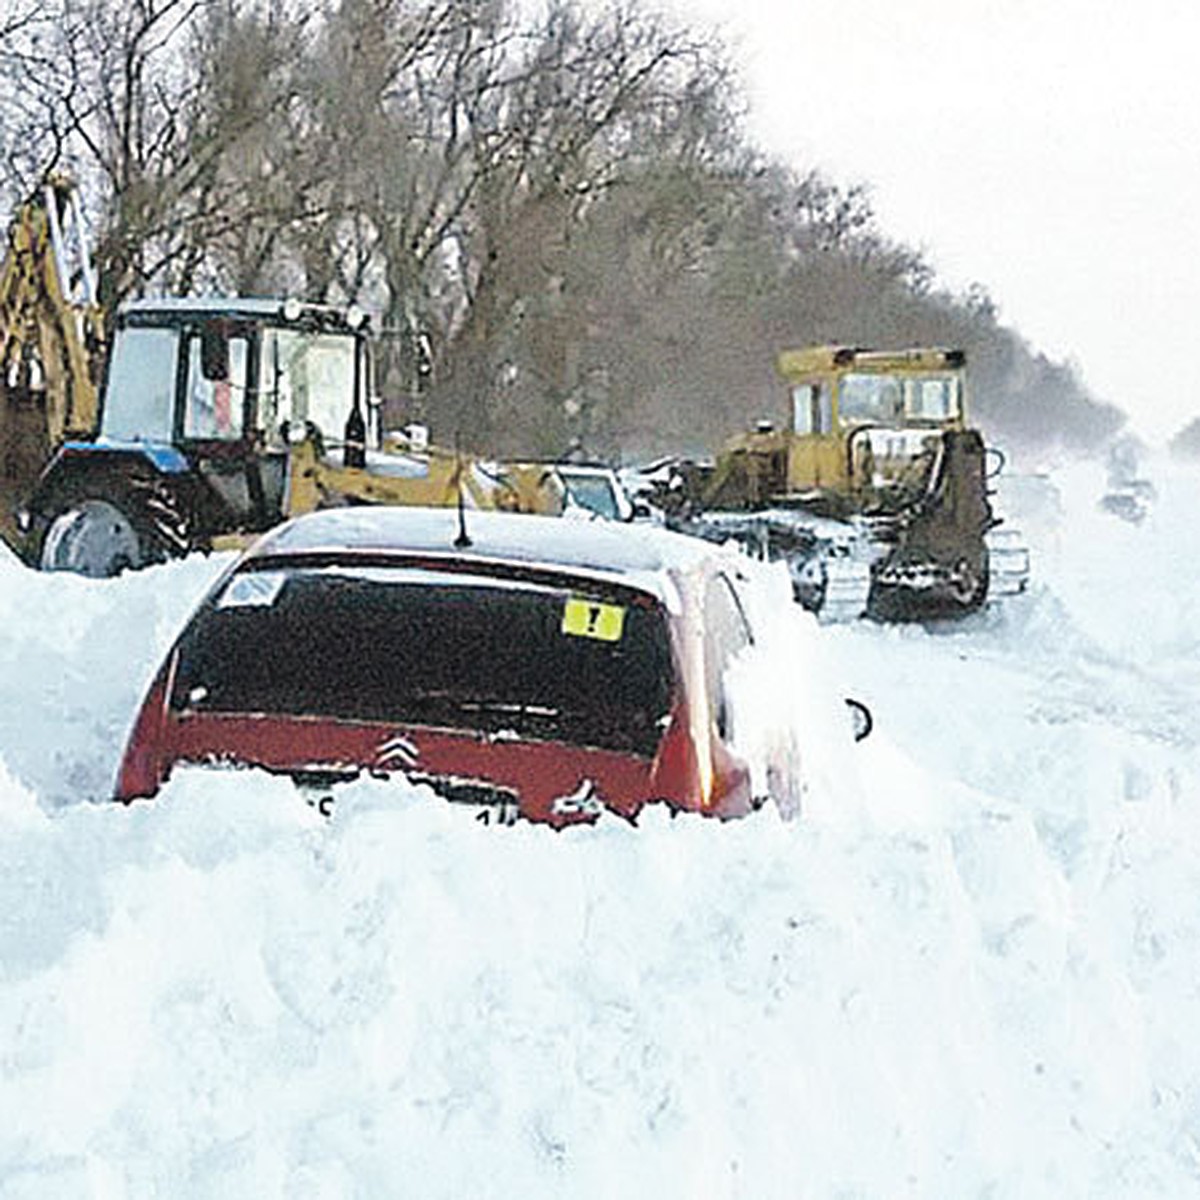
pixel 1049 150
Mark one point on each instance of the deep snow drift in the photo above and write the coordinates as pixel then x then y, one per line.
pixel 968 970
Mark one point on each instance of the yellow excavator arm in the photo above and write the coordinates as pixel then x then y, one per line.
pixel 51 340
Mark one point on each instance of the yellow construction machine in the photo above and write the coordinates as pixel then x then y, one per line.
pixel 51 340
pixel 219 416
pixel 877 494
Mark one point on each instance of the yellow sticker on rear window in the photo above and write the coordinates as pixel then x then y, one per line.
pixel 591 619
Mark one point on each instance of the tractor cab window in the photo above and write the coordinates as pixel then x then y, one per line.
pixel 934 399
pixel 870 399
pixel 214 408
pixel 139 396
pixel 811 408
pixel 308 377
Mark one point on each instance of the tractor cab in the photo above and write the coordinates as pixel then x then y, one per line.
pixel 200 401
pixel 224 383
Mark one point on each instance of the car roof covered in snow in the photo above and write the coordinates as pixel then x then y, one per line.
pixel 599 470
pixel 636 556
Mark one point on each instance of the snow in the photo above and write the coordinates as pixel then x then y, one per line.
pixel 967 969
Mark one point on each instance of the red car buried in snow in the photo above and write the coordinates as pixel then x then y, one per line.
pixel 534 666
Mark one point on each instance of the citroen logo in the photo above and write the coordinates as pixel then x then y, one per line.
pixel 396 754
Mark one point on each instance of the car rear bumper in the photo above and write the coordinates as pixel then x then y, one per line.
pixel 546 781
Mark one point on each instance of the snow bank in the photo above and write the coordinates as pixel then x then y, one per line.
pixel 75 657
pixel 967 970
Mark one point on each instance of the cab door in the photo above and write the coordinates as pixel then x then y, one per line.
pixel 815 458
pixel 218 421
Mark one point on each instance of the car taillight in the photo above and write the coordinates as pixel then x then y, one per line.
pixel 675 776
pixel 143 766
pixel 719 787
pixel 731 795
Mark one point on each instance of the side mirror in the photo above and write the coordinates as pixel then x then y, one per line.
pixel 860 718
pixel 354 439
pixel 214 351
pixel 417 435
pixel 375 404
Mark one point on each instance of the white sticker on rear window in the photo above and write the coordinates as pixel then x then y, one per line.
pixel 256 589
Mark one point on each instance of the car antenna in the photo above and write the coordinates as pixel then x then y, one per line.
pixel 464 538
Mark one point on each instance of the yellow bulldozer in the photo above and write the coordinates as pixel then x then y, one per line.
pixel 217 418
pixel 877 494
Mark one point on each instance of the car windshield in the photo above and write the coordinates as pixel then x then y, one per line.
pixel 594 492
pixel 405 646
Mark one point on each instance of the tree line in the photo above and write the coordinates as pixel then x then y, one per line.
pixel 555 213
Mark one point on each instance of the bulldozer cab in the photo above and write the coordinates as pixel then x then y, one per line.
pixel 867 419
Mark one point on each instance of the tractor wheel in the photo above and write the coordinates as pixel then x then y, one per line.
pixel 92 537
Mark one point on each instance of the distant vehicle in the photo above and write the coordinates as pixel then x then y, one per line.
pixel 1129 494
pixel 1129 499
pixel 530 666
pixel 596 489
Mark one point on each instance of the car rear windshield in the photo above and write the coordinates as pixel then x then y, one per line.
pixel 583 666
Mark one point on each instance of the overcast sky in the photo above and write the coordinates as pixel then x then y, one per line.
pixel 1049 149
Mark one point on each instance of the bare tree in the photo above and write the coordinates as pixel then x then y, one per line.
pixel 32 133
pixel 254 173
pixel 556 214
pixel 580 105
pixel 149 101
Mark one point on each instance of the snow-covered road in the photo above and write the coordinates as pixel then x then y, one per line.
pixel 972 969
